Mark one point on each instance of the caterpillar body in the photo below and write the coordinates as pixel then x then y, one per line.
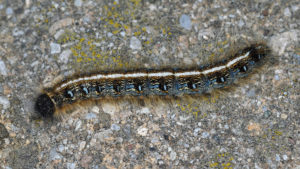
pixel 146 82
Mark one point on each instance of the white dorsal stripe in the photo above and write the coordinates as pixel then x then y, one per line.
pixel 155 74
pixel 135 75
pixel 191 73
pixel 232 62
pixel 160 74
pixel 114 76
pixel 214 69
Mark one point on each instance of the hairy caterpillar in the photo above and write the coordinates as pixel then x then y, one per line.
pixel 151 82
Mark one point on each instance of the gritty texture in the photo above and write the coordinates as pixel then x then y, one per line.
pixel 256 125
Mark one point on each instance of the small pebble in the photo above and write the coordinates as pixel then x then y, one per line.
pixel 4 102
pixel 283 116
pixel 9 11
pixel 295 8
pixel 58 34
pixel 102 135
pixel 231 16
pixel 142 131
pixel 86 161
pixel 287 12
pixel 154 140
pixel 17 32
pixel 185 22
pixel 280 42
pixel 3 132
pixel 64 56
pixel 61 148
pixel 78 3
pixel 135 43
pixel 90 116
pixel 65 141
pixel 82 145
pixel 250 152
pixel 205 134
pixel 60 24
pixel 54 155
pixel 152 7
pixel 145 110
pixel 95 109
pixel 277 157
pixel 122 33
pixel 109 108
pixel 3 70
pixel 115 127
pixel 71 165
pixel 55 48
pixel 86 19
pixel 285 157
pixel 109 34
pixel 254 127
pixel 296 56
pixel 78 125
pixel 256 166
pixel 173 155
pixel 241 23
pixel 267 114
pixel 6 141
pixel 196 131
pixel 264 108
pixel 251 93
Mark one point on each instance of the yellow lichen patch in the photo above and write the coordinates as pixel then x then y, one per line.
pixel 273 140
pixel 125 26
pixel 213 164
pixel 111 22
pixel 137 33
pixel 66 36
pixel 136 2
pixel 79 59
pixel 92 51
pixel 278 133
pixel 191 108
pixel 222 160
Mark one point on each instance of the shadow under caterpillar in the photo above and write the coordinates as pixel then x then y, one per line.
pixel 146 82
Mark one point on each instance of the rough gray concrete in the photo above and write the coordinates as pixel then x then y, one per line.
pixel 256 125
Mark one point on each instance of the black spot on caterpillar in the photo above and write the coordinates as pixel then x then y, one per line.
pixel 172 82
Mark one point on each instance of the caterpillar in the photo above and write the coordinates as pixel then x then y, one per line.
pixel 145 82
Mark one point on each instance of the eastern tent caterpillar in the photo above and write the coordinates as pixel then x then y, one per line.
pixel 151 82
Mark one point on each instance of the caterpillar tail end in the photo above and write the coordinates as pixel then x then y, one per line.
pixel 44 106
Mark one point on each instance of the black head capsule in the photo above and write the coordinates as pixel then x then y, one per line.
pixel 257 57
pixel 44 106
pixel 257 53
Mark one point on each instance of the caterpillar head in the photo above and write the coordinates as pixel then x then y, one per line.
pixel 44 106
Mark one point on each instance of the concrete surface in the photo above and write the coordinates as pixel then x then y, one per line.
pixel 254 126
